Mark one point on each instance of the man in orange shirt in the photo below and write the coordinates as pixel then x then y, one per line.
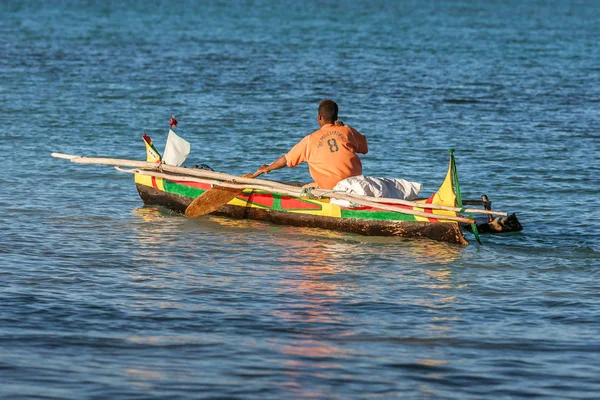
pixel 331 152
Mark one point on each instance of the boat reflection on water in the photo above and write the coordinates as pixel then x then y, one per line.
pixel 324 277
pixel 338 245
pixel 318 277
pixel 342 246
pixel 326 289
pixel 152 227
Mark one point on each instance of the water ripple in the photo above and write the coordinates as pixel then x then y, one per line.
pixel 103 298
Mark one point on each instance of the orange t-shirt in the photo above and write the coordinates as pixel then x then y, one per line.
pixel 330 153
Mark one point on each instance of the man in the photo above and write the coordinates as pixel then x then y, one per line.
pixel 331 152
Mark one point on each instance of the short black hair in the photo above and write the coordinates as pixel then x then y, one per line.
pixel 329 110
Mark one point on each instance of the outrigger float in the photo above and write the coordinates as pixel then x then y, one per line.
pixel 439 217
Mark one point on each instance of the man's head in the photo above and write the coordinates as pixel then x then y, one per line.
pixel 328 112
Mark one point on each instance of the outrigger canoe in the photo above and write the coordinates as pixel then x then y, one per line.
pixel 437 217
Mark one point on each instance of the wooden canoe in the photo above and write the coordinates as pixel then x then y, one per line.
pixel 271 206
pixel 436 217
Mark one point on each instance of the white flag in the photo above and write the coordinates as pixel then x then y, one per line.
pixel 176 150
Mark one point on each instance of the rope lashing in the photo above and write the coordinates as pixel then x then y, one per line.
pixel 307 192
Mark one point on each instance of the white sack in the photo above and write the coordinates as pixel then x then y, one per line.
pixel 377 187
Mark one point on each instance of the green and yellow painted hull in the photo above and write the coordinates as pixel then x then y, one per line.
pixel 309 212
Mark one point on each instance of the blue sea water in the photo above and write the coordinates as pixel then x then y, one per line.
pixel 102 298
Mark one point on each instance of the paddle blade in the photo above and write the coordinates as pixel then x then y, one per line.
pixel 210 201
pixel 213 199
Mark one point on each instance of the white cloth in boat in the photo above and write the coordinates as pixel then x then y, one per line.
pixel 393 188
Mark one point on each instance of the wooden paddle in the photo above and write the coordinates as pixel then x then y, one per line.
pixel 214 198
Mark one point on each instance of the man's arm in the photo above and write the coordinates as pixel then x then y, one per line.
pixel 294 157
pixel 361 141
pixel 277 164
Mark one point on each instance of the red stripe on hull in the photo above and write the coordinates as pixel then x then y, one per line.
pixel 265 200
pixel 429 210
pixel 367 208
pixel 289 203
pixel 198 185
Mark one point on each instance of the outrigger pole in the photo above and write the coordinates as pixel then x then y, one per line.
pixel 223 179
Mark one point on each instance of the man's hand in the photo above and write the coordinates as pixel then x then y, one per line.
pixel 338 123
pixel 263 169
pixel 277 164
